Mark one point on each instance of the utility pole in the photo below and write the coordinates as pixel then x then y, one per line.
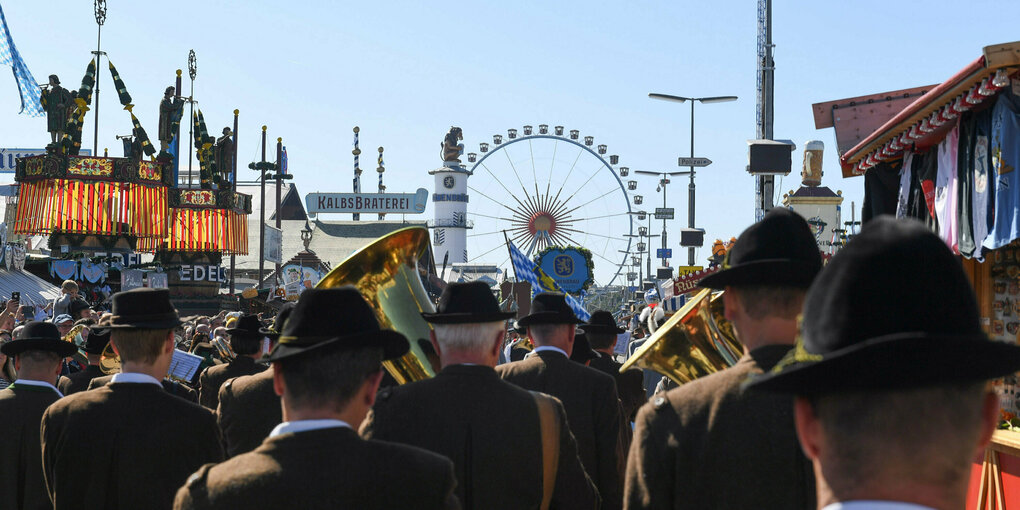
pixel 192 72
pixel 233 187
pixel 277 177
pixel 766 79
pixel 100 12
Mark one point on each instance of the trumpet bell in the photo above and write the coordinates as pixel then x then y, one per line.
pixel 386 274
pixel 694 342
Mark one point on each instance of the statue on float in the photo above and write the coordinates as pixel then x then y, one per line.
pixel 224 156
pixel 171 109
pixel 58 103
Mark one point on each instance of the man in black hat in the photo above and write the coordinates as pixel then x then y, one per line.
pixel 96 341
pixel 249 408
pixel 327 367
pixel 602 333
pixel 37 355
pixel 488 427
pixel 692 442
pixel 246 342
pixel 588 396
pixel 890 373
pixel 128 444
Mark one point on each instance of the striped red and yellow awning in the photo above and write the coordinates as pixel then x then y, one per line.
pixel 91 207
pixel 195 230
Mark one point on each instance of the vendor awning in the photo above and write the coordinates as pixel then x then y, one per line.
pixel 34 290
pixel 925 122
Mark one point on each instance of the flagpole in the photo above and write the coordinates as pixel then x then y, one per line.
pixel 511 253
pixel 100 12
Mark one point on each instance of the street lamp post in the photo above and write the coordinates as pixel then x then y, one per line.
pixel 643 232
pixel 681 99
pixel 663 181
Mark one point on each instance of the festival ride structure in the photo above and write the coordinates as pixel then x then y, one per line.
pixel 549 187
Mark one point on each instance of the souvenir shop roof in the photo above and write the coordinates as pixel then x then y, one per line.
pixel 926 120
pixel 291 205
pixel 34 290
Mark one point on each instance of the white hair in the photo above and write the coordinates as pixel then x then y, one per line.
pixel 473 336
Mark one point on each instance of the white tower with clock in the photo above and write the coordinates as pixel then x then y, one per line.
pixel 449 228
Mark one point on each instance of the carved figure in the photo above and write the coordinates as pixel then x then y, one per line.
pixel 451 149
pixel 224 156
pixel 170 111
pixel 57 102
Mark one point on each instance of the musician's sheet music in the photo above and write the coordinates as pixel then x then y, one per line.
pixel 184 365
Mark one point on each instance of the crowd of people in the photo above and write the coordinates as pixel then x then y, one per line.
pixel 822 410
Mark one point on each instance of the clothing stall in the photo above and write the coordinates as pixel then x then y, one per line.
pixel 951 159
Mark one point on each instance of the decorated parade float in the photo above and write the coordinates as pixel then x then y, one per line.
pixel 945 155
pixel 93 206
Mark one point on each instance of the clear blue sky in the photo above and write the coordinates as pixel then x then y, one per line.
pixel 406 71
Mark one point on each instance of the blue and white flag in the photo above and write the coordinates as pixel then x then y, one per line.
pixel 526 270
pixel 27 86
pixel 283 164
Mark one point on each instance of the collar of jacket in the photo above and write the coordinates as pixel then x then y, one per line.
pixel 463 369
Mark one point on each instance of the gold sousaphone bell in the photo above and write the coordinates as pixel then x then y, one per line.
pixel 386 274
pixel 694 342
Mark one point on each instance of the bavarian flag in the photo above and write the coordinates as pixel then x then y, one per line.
pixel 528 271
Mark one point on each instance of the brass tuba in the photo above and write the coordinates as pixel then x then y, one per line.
pixel 386 274
pixel 694 342
pixel 109 361
pixel 223 349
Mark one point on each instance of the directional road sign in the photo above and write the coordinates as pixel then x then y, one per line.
pixel 663 213
pixel 663 253
pixel 694 162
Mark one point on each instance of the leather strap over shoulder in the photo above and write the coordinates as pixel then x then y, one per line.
pixel 549 422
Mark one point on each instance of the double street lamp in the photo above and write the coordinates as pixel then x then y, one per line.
pixel 643 232
pixel 682 99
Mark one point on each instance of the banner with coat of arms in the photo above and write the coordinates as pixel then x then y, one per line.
pixel 571 267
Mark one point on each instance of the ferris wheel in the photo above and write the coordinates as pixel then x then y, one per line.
pixel 550 188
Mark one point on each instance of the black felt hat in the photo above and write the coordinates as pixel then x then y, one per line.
pixel 892 310
pixel 281 318
pixel 248 326
pixel 601 321
pixel 778 250
pixel 143 308
pixel 549 308
pixel 99 336
pixel 337 318
pixel 470 302
pixel 39 336
pixel 582 351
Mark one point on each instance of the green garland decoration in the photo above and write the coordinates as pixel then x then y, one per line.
pixel 587 259
pixel 72 131
pixel 122 93
pixel 142 137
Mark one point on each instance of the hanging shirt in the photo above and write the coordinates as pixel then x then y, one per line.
pixel 945 189
pixel 965 187
pixel 1005 156
pixel 903 200
pixel 982 196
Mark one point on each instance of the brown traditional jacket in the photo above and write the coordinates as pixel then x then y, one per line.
pixel 709 444
pixel 248 410
pixel 124 445
pixel 22 486
pixel 629 384
pixel 490 430
pixel 323 469
pixel 590 400
pixel 79 381
pixel 212 378
pixel 172 387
